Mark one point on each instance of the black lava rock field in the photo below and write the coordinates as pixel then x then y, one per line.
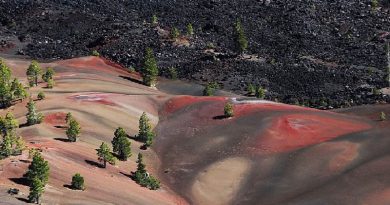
pixel 313 52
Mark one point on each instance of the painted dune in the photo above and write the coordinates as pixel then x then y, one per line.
pixel 268 153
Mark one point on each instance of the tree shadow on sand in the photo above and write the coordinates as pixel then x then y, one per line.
pixel 93 163
pixel 21 181
pixel 23 125
pixel 62 139
pixel 23 199
pixel 219 117
pixel 131 79
pixel 61 126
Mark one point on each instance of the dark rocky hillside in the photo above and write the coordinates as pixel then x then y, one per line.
pixel 315 52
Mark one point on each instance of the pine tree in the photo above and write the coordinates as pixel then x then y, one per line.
pixel 382 116
pixel 33 71
pixel 145 129
pixel 242 42
pixel 154 20
pixel 49 74
pixel 78 182
pixel 228 110
pixel 8 124
pixel 37 188
pixel 19 146
pixel 5 85
pixel 150 69
pixel 50 83
pixel 175 33
pixel 105 155
pixel 41 95
pixel 6 147
pixel 190 30
pixel 251 90
pixel 149 139
pixel 18 91
pixel 73 130
pixel 260 93
pixel 68 117
pixel 140 175
pixel 210 89
pixel 11 144
pixel 32 116
pixel 39 168
pixel 121 144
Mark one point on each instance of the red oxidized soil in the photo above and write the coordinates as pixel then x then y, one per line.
pixel 290 132
pixel 177 103
pixel 99 64
pixel 55 118
pixel 250 108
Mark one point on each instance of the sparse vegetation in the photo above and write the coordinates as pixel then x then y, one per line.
pixel 121 144
pixel 260 93
pixel 242 42
pixel 172 73
pixel 143 178
pixel 95 53
pixel 175 33
pixel 228 110
pixel 210 88
pixel 145 133
pixel 48 74
pixel 104 155
pixel 37 187
pixel 50 83
pixel 382 116
pixel 41 95
pixel 33 117
pixel 374 4
pixel 150 70
pixel 9 91
pixel 154 20
pixel 77 182
pixel 11 143
pixel 38 176
pixel 33 71
pixel 48 77
pixel 251 90
pixel 190 30
pixel 73 131
pixel 68 117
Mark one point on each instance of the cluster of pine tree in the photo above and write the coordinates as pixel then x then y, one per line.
pixel 9 90
pixel 142 177
pixel 12 144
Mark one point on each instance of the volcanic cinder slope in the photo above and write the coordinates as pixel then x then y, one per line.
pixel 268 153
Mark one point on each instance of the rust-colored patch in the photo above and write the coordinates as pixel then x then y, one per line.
pixel 294 131
pixel 177 103
pixel 55 118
